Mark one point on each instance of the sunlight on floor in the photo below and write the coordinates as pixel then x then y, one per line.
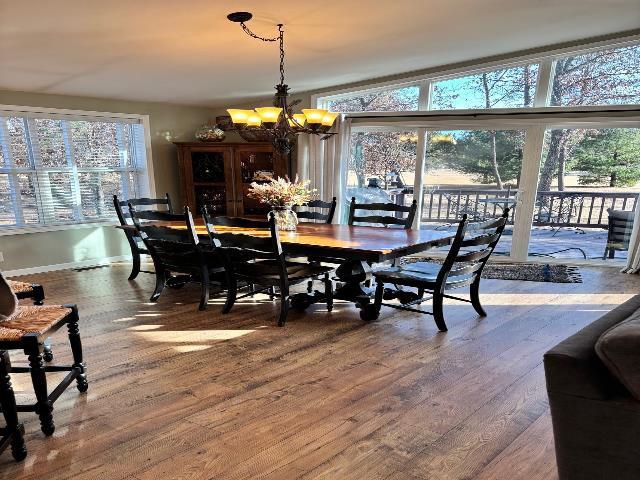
pixel 189 336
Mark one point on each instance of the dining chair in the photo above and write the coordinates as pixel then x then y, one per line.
pixel 12 434
pixel 135 242
pixel 462 266
pixel 385 220
pixel 177 251
pixel 258 259
pixel 317 216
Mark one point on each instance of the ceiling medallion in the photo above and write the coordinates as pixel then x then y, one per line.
pixel 279 122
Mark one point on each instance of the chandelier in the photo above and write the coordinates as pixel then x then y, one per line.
pixel 279 122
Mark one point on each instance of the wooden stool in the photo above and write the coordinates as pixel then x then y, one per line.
pixel 26 331
pixel 35 292
pixel 23 290
pixel 13 433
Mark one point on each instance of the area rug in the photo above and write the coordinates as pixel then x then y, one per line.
pixel 529 272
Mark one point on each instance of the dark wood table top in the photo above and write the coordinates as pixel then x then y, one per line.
pixel 343 241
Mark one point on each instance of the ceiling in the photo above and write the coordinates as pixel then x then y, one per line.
pixel 188 52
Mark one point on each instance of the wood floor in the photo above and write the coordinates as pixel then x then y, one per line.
pixel 176 393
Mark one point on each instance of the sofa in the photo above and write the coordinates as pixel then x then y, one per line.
pixel 596 418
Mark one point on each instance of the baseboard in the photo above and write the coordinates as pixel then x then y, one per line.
pixel 67 266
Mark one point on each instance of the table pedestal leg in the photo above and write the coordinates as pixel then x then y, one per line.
pixel 353 274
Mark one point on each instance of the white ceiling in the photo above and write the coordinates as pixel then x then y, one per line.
pixel 188 52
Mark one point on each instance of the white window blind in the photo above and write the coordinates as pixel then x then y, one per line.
pixel 60 169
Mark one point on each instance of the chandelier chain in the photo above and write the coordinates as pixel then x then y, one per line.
pixel 280 37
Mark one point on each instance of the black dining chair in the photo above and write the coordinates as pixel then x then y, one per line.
pixel 178 251
pixel 258 260
pixel 316 216
pixel 462 266
pixel 619 229
pixel 135 242
pixel 372 216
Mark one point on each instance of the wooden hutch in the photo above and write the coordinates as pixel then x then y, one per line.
pixel 218 175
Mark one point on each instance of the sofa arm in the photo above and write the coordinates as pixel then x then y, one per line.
pixel 573 368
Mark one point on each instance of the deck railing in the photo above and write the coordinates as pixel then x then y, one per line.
pixel 570 208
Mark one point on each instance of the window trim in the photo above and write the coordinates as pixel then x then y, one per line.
pixel 84 115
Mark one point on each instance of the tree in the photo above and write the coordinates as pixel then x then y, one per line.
pixel 606 77
pixel 609 156
pixel 480 153
pixel 376 154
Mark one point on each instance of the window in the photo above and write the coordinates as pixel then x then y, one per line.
pixel 604 77
pixel 505 88
pixel 392 100
pixel 57 169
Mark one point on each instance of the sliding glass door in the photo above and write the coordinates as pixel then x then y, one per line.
pixel 588 187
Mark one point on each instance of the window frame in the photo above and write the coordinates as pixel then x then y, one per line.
pixel 146 177
pixel 542 96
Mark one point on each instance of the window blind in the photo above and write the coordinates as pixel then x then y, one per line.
pixel 64 169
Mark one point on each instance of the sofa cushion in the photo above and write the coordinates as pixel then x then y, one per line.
pixel 8 300
pixel 619 350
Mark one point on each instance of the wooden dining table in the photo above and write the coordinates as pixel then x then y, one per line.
pixel 355 248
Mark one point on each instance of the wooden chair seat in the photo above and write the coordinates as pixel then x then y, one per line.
pixel 27 290
pixel 32 319
pixel 268 271
pixel 20 287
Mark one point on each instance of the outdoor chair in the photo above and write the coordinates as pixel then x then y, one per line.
pixel 558 212
pixel 135 242
pixel 463 266
pixel 178 251
pixel 12 434
pixel 259 260
pixel 620 226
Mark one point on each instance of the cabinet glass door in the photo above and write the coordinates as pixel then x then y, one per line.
pixel 209 181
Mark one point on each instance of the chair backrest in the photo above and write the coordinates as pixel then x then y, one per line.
pixel 125 217
pixel 239 246
pixel 469 253
pixel 170 248
pixel 315 216
pixel 385 220
pixel 620 227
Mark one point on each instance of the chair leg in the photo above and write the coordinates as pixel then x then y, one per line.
pixel 47 352
pixel 284 305
pixel 135 266
pixel 34 348
pixel 232 289
pixel 438 314
pixel 38 294
pixel 160 283
pixel 612 253
pixel 421 292
pixel 328 291
pixel 475 298
pixel 8 404
pixel 310 286
pixel 204 289
pixel 76 349
pixel 272 293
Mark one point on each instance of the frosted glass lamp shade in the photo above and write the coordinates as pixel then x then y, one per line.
pixel 314 116
pixel 269 114
pixel 239 116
